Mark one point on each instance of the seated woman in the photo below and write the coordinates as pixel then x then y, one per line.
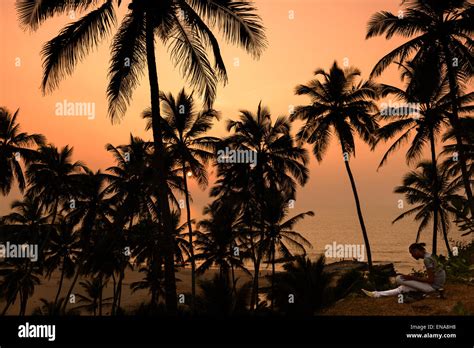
pixel 407 283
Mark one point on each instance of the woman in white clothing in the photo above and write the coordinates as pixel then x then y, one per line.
pixel 436 276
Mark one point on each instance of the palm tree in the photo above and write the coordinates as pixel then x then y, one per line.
pixel 281 237
pixel 427 90
pixel 440 28
pixel 19 279
pixel 419 188
pixel 30 216
pixel 90 212
pixel 14 145
pixel 278 162
pixel 185 26
pixel 339 106
pixel 216 240
pixel 92 300
pixel 183 132
pixel 63 252
pixel 52 177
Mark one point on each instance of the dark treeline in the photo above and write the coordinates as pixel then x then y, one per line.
pixel 93 226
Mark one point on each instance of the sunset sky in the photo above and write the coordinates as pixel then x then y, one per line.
pixel 320 32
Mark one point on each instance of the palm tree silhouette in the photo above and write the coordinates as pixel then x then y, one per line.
pixel 419 187
pixel 62 253
pixel 52 178
pixel 185 26
pixel 183 132
pixel 21 276
pixel 281 237
pixel 440 28
pixel 216 241
pixel 339 106
pixel 279 162
pixel 427 89
pixel 92 300
pixel 14 145
pixel 19 280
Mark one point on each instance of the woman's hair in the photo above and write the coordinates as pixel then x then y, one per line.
pixel 417 246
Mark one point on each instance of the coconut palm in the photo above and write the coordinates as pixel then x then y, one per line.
pixel 439 28
pixel 419 188
pixel 92 300
pixel 62 253
pixel 30 218
pixel 281 239
pixel 278 161
pixel 342 107
pixel 184 26
pixel 14 145
pixel 216 241
pixel 184 133
pixel 19 279
pixel 422 117
pixel 52 177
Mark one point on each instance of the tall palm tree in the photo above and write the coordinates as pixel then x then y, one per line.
pixel 185 26
pixel 281 238
pixel 342 107
pixel 13 145
pixel 278 162
pixel 419 188
pixel 184 133
pixel 440 28
pixel 425 113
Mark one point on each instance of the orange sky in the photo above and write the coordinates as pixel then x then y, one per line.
pixel 321 31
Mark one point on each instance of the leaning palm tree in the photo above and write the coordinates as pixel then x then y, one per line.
pixel 14 145
pixel 281 239
pixel 442 29
pixel 419 188
pixel 184 133
pixel 341 107
pixel 184 26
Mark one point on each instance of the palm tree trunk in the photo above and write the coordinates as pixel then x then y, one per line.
pixel 445 235
pixel 101 288
pixel 76 276
pixel 4 312
pixel 455 123
pixel 359 213
pixel 60 282
pixel 191 248
pixel 273 273
pixel 161 183
pixel 435 192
